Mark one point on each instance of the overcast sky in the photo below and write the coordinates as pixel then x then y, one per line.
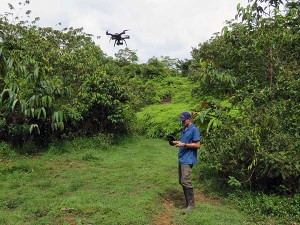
pixel 156 27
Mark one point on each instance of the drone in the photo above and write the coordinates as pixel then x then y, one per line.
pixel 118 37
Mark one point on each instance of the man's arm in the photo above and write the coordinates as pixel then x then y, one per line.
pixel 195 145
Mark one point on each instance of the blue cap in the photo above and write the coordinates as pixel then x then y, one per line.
pixel 184 116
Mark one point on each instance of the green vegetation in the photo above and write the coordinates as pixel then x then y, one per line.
pixel 89 184
pixel 242 87
pixel 255 142
pixel 90 180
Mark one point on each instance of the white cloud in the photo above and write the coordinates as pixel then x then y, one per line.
pixel 157 27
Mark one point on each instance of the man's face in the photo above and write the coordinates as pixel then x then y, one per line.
pixel 185 123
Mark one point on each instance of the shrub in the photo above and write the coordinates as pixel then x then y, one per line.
pixel 160 120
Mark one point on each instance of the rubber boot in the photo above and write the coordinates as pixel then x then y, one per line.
pixel 185 197
pixel 190 200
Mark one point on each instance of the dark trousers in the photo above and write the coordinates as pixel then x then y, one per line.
pixel 185 175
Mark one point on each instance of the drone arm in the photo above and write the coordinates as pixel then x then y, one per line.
pixel 123 32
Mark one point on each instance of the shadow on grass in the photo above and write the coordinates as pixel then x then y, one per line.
pixel 175 196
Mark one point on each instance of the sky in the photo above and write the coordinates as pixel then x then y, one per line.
pixel 156 27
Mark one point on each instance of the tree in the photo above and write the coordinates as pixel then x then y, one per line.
pixel 126 56
pixel 46 76
pixel 249 77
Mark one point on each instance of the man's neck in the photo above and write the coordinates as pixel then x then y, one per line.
pixel 187 126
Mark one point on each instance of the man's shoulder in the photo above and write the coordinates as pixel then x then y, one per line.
pixel 195 131
pixel 193 126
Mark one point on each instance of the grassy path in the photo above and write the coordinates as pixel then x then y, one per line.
pixel 134 183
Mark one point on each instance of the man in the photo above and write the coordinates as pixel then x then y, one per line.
pixel 187 157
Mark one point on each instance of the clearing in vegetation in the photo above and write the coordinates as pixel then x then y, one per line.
pixel 132 183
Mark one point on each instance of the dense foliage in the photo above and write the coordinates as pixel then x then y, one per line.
pixel 58 83
pixel 249 75
pixel 51 83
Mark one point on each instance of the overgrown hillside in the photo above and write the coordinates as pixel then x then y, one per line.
pixel 242 87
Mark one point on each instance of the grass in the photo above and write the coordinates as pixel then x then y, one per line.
pixel 83 183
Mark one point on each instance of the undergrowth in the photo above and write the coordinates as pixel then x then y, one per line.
pixel 283 209
pixel 265 208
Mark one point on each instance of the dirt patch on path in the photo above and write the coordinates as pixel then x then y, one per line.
pixel 166 217
pixel 173 200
